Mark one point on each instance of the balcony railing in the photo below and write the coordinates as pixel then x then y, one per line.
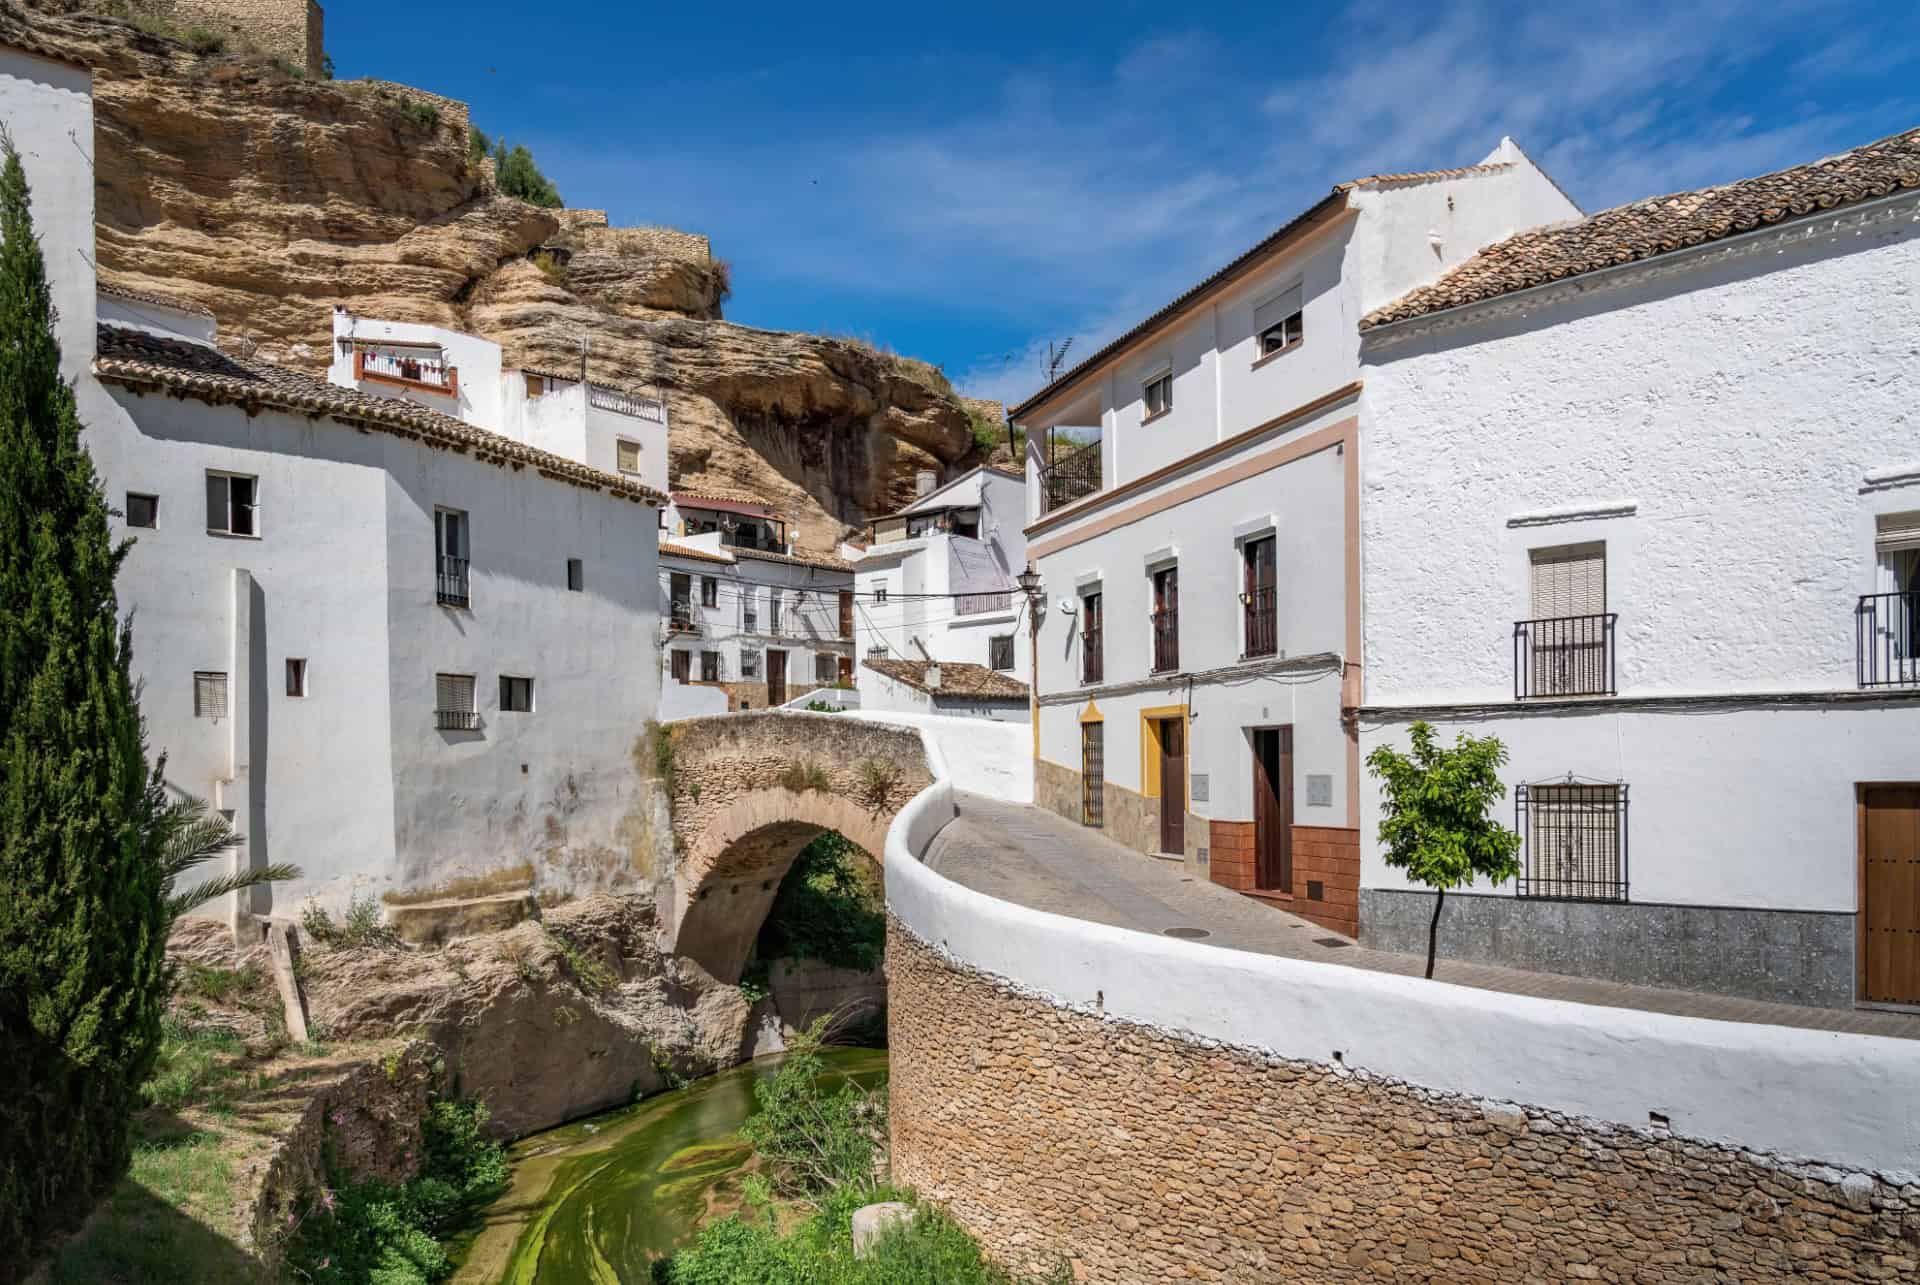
pixel 623 403
pixel 456 720
pixel 1166 640
pixel 425 372
pixel 680 619
pixel 451 587
pixel 1093 664
pixel 1563 656
pixel 1263 630
pixel 974 604
pixel 1068 477
pixel 1887 627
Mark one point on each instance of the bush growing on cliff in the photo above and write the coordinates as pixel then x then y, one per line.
pixel 517 174
pixel 378 1232
pixel 813 1140
pixel 83 919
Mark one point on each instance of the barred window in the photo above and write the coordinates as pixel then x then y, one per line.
pixel 1093 774
pixel 209 694
pixel 1575 841
pixel 749 664
pixel 823 668
pixel 453 702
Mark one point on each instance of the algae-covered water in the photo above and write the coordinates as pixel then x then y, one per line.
pixel 596 1201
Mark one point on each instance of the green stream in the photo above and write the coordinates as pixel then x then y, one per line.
pixel 596 1201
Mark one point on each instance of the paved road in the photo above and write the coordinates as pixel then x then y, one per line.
pixel 1031 856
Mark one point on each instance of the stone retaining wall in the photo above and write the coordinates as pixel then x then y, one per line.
pixel 1143 1156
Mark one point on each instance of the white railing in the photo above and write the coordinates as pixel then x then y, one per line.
pixel 417 370
pixel 625 403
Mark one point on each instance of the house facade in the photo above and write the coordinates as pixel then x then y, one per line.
pixel 934 587
pixel 743 614
pixel 300 665
pixel 1653 520
pixel 1194 492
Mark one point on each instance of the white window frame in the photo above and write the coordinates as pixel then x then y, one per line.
pixel 1162 381
pixel 620 446
pixel 506 686
pixel 252 508
pixel 1292 326
pixel 749 663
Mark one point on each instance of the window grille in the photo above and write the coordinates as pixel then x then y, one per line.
pixel 1093 774
pixel 1574 840
pixel 709 666
pixel 451 552
pixel 1000 652
pixel 453 702
pixel 749 664
pixel 516 695
pixel 209 694
pixel 1092 661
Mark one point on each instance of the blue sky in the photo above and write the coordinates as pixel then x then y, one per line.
pixel 963 183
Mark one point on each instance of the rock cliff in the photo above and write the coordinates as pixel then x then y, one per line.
pixel 268 197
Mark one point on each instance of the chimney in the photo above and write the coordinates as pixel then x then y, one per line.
pixel 924 481
pixel 933 678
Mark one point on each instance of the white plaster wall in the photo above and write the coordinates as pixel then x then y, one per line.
pixel 555 421
pixel 154 319
pixel 808 629
pixel 880 694
pixel 682 700
pixel 1306 501
pixel 989 759
pixel 556 786
pixel 48 108
pixel 605 428
pixel 1740 405
pixel 1604 1063
pixel 477 360
pixel 1751 808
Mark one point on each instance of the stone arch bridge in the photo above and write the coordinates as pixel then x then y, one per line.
pixel 748 792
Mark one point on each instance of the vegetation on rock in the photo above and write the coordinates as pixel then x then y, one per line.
pixel 514 169
pixel 828 909
pixel 83 916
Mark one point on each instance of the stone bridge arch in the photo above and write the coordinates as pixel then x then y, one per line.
pixel 748 791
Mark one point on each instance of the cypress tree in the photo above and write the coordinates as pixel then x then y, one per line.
pixel 82 913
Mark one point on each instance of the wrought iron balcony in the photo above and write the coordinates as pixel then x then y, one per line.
pixel 451 587
pixel 1887 629
pixel 1068 477
pixel 974 604
pixel 456 720
pixel 1563 656
pixel 1262 620
pixel 1093 664
pixel 1166 640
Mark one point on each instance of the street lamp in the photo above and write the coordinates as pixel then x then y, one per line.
pixel 1029 582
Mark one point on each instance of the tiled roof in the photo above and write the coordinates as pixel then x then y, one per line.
pixel 159 300
pixel 1425 176
pixel 668 549
pixel 1662 224
pixel 970 681
pixel 824 561
pixel 140 360
pixel 696 499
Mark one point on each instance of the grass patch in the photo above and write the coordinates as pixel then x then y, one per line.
pixel 160 1222
pixel 362 925
pixel 878 780
pixel 218 985
pixel 196 1065
pixel 802 775
pixel 589 974
pixel 421 115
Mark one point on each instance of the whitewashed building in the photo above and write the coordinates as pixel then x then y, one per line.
pixel 1200 557
pixel 747 620
pixel 616 430
pixel 1642 499
pixel 939 622
pixel 300 666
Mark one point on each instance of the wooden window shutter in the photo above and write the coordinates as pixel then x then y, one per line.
pixel 1896 532
pixel 1569 581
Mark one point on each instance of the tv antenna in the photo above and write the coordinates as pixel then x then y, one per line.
pixel 1057 357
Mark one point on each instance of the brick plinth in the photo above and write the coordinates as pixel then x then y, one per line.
pixel 1140 1156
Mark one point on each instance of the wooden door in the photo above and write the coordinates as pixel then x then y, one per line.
pixel 1173 785
pixel 1890 894
pixel 776 678
pixel 682 665
pixel 846 613
pixel 846 671
pixel 1273 809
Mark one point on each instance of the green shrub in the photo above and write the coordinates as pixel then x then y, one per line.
pixel 205 42
pixel 421 115
pixel 550 267
pixel 821 707
pixel 364 925
pixel 515 171
pixel 987 435
pixel 589 974
pixel 878 779
pixel 391 1235
pixel 828 909
pixel 83 917
pixel 813 1140
pixel 478 144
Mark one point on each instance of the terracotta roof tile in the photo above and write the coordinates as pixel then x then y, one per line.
pixel 668 549
pixel 135 296
pixel 822 560
pixel 962 679
pixel 1424 176
pixel 140 360
pixel 1662 224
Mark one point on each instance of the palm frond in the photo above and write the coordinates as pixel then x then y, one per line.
pixel 219 886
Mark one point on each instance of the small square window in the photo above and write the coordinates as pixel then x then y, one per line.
pixel 296 676
pixel 627 455
pixel 233 504
pixel 1282 335
pixel 1000 652
pixel 576 574
pixel 516 695
pixel 209 694
pixel 1279 322
pixel 1158 393
pixel 709 591
pixel 143 510
pixel 879 593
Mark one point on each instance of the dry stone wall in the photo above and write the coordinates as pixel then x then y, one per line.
pixel 1142 1156
pixel 292 30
